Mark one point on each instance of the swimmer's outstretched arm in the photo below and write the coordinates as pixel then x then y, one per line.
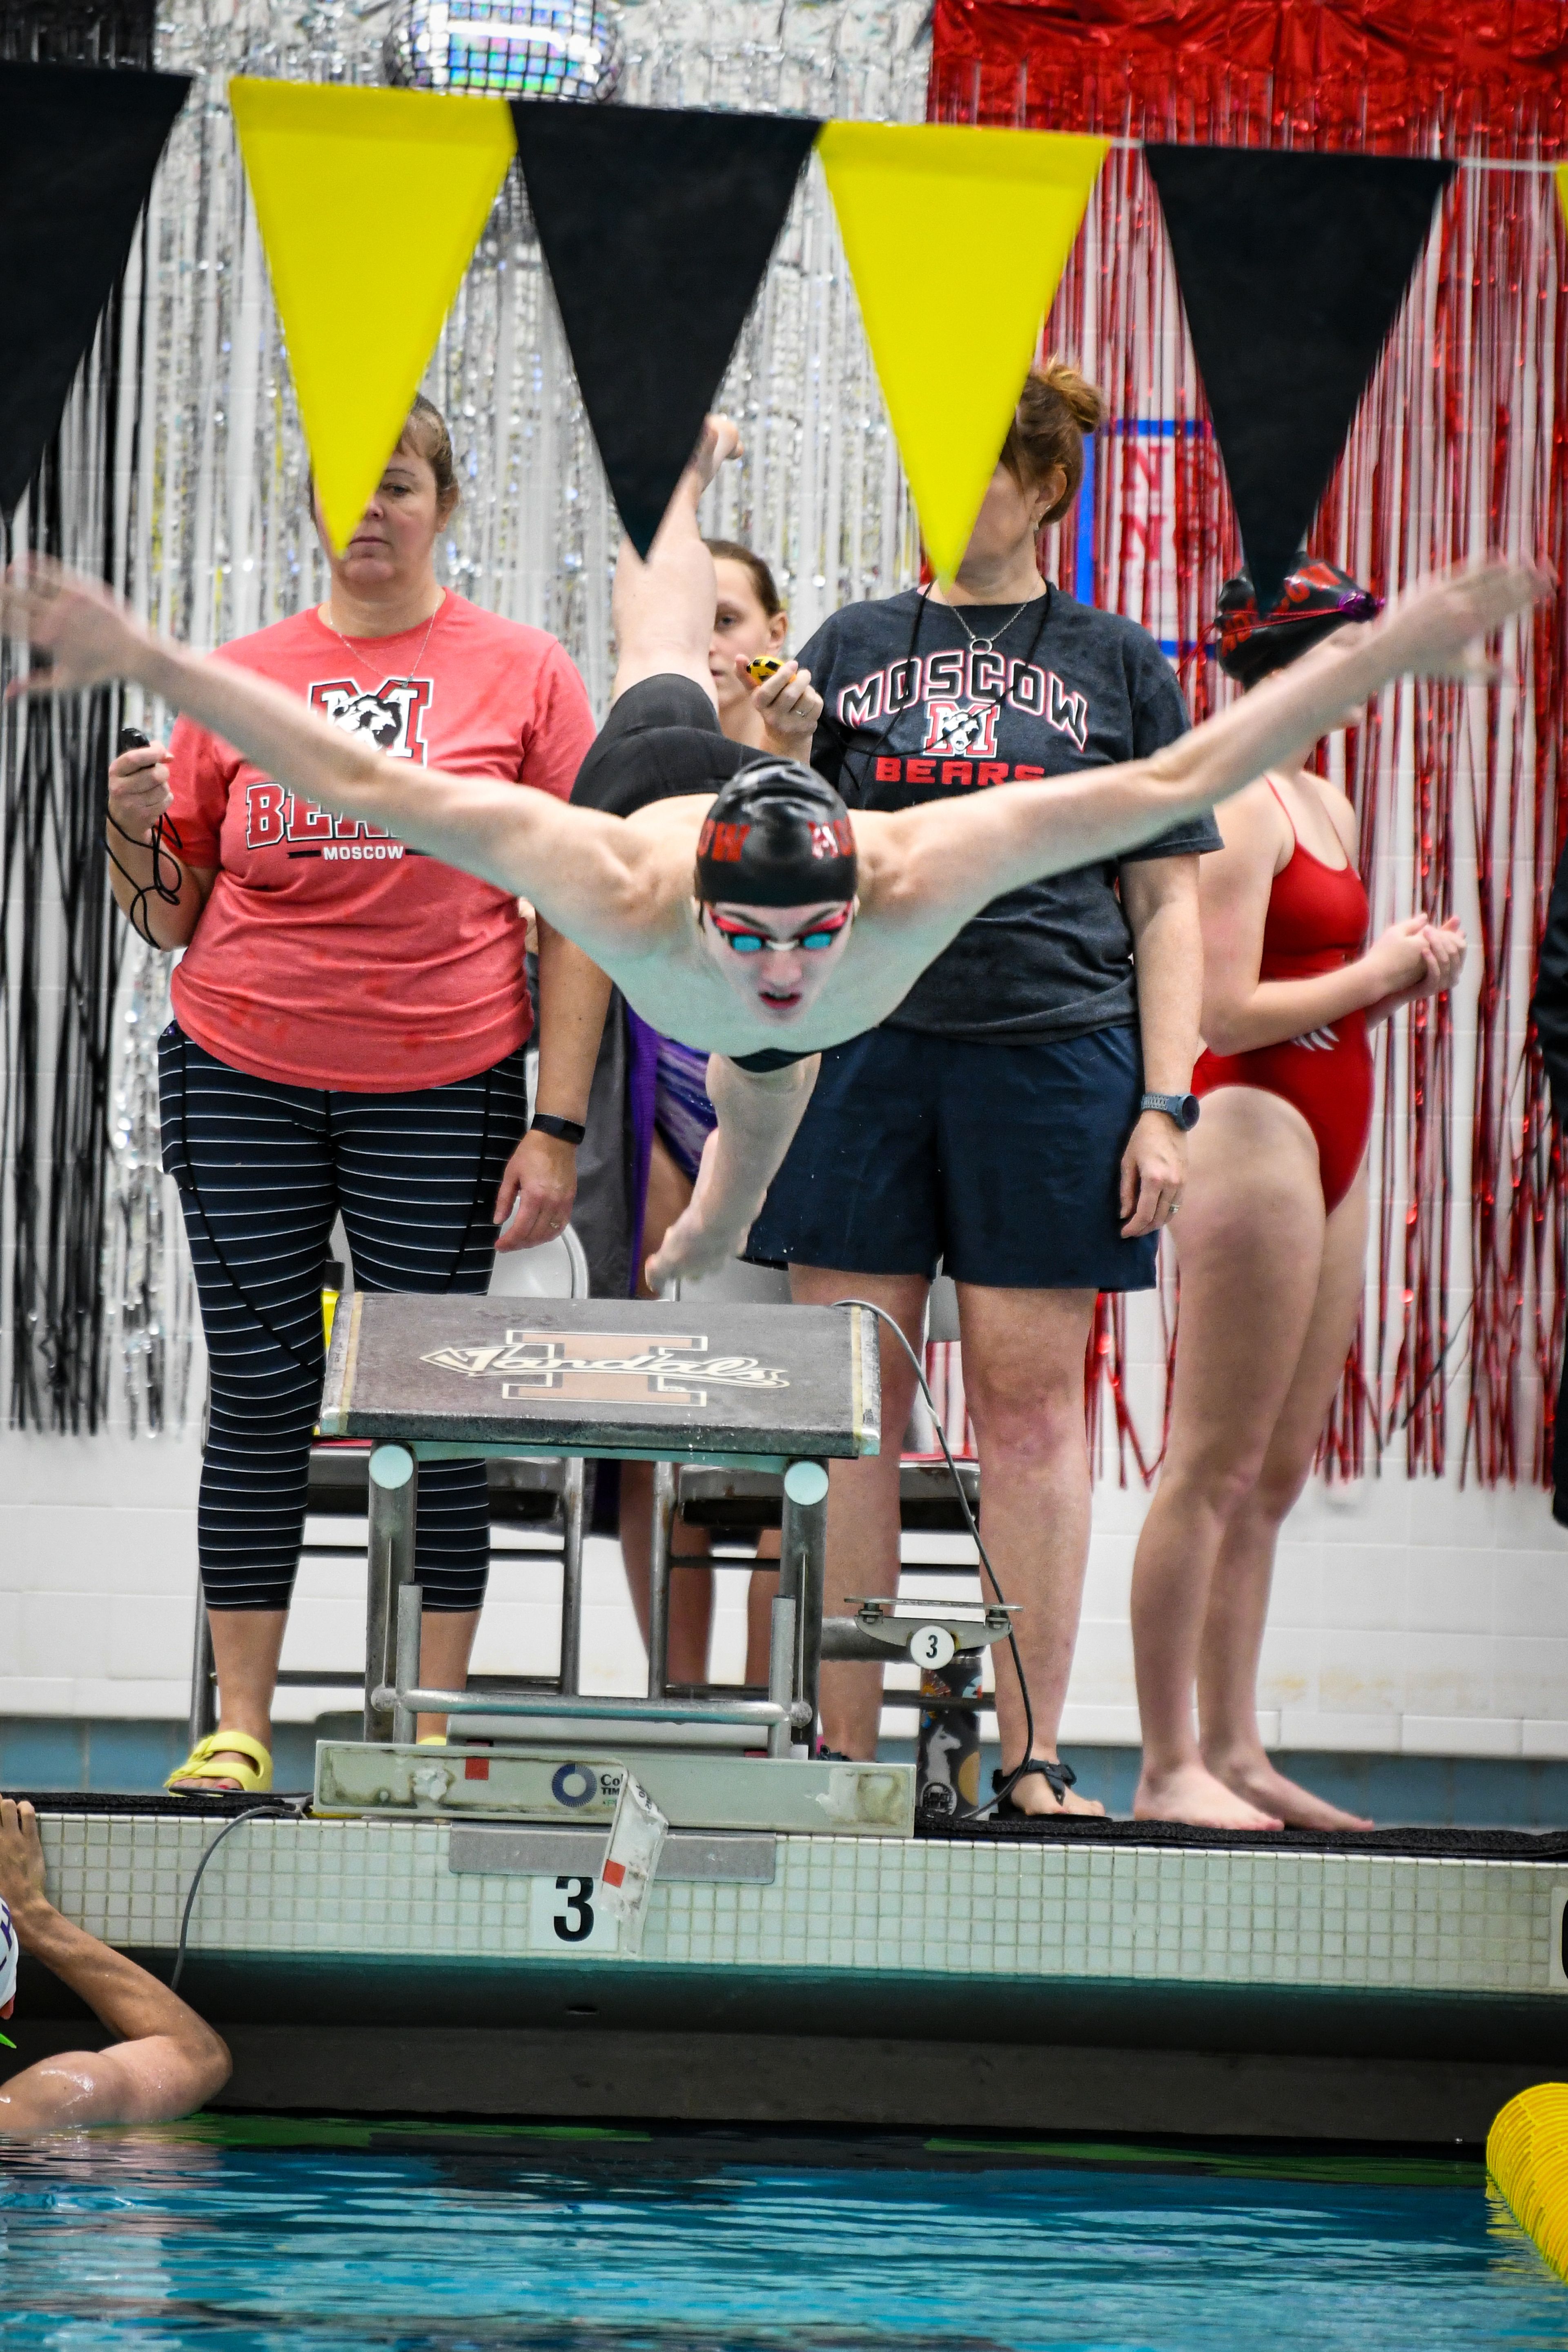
pixel 588 873
pixel 166 2063
pixel 949 858
pixel 758 1112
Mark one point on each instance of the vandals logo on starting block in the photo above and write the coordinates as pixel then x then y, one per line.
pixel 608 1368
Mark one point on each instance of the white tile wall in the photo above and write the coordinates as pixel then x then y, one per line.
pixel 1340 1919
pixel 1415 1615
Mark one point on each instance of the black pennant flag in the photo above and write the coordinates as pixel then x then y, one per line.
pixel 1292 268
pixel 78 146
pixel 657 227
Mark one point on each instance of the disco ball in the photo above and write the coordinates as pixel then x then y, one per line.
pixel 505 48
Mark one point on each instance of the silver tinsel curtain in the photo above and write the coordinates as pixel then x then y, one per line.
pixel 214 538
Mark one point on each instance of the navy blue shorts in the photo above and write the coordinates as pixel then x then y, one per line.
pixel 1004 1161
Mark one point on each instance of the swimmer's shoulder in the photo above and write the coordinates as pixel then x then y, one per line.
pixel 680 812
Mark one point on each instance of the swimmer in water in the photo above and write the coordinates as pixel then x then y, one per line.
pixel 764 923
pixel 165 2063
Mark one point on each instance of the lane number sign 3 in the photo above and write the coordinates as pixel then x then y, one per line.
pixel 565 1915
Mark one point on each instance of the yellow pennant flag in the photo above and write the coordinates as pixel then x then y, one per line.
pixel 956 239
pixel 370 203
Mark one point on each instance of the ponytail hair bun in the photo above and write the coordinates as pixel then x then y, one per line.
pixel 1055 408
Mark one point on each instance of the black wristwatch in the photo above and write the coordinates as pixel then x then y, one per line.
pixel 566 1131
pixel 1183 1109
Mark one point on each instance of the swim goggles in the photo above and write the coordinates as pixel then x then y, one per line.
pixel 748 941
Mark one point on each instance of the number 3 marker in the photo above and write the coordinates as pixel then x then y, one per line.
pixel 931 1645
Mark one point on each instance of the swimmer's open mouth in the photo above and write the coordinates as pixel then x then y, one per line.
pixel 779 1001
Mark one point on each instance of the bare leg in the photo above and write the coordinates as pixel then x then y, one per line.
pixel 247 1646
pixel 761 1592
pixel 1238 1598
pixel 663 609
pixel 863 1497
pixel 1251 1246
pixel 445 1645
pixel 1023 1377
pixel 691 1589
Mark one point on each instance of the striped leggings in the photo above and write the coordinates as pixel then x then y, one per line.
pixel 263 1171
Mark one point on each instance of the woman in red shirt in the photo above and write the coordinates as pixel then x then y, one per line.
pixel 349 1024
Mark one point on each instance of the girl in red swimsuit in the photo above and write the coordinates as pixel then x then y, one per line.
pixel 1271 1238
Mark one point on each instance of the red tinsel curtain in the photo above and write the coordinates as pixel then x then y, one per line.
pixel 1461 445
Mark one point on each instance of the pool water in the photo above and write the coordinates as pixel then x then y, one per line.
pixel 319 2238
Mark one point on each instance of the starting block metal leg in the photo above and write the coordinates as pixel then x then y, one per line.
pixel 572 1509
pixel 781 1673
pixel 803 1549
pixel 660 1535
pixel 410 1626
pixel 394 1493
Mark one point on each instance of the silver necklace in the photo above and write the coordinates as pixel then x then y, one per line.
pixel 986 644
pixel 354 657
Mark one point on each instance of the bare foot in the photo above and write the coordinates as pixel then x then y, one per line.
pixel 1034 1794
pixel 1193 1795
pixel 720 441
pixel 1257 1781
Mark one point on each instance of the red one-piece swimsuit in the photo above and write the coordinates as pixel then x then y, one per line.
pixel 1317 922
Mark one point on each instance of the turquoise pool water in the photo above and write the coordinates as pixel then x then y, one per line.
pixel 320 2239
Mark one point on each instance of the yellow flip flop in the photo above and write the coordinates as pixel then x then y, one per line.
pixel 202 1771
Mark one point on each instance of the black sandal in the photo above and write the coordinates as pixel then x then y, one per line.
pixel 1060 1776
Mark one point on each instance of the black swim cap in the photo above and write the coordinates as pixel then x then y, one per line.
pixel 1317 599
pixel 777 835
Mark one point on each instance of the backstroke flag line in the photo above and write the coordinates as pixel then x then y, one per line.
pixel 364 196
pixel 78 151
pixel 1293 268
pixel 657 227
pixel 956 240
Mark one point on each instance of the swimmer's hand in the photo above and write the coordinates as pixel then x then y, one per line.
pixel 789 707
pixel 1436 629
pixel 719 440
pixel 21 1862
pixel 758 1113
pixel 86 635
pixel 705 1237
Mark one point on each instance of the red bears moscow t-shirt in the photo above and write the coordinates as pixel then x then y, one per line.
pixel 327 954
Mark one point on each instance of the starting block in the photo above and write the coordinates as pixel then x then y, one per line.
pixel 577 1788
pixel 732 1385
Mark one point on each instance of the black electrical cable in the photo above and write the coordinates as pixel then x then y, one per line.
pixel 974 1813
pixel 252 1813
pixel 167 893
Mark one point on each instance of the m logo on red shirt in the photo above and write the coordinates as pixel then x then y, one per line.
pixel 391 717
